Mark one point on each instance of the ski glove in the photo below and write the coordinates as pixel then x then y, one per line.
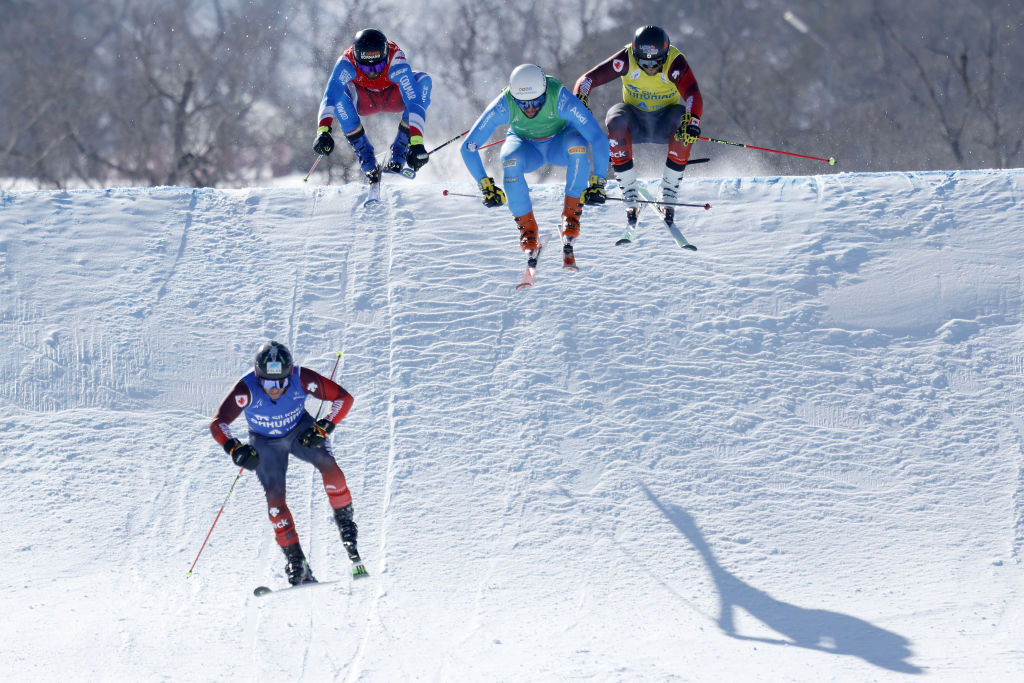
pixel 315 436
pixel 689 129
pixel 417 157
pixel 595 193
pixel 493 195
pixel 242 454
pixel 324 142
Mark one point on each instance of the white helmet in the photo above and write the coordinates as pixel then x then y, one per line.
pixel 527 82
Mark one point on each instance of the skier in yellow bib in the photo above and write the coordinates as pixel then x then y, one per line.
pixel 661 102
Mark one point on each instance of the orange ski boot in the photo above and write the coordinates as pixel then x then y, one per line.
pixel 571 212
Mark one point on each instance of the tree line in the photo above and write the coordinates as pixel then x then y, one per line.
pixel 224 93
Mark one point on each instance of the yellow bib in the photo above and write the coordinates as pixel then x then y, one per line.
pixel 649 93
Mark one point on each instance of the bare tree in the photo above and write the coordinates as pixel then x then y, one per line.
pixel 220 92
pixel 46 73
pixel 953 75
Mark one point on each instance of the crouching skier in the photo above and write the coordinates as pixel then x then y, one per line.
pixel 273 398
pixel 547 125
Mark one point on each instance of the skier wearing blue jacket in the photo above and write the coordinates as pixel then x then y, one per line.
pixel 547 125
pixel 373 76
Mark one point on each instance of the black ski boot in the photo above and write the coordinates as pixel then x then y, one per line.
pixel 349 531
pixel 297 568
pixel 349 534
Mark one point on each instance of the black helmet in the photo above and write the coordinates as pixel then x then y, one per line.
pixel 370 47
pixel 273 361
pixel 650 44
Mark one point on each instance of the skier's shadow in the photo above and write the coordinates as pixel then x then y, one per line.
pixel 814 629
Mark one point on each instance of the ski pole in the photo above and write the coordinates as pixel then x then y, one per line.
pixel 189 573
pixel 341 354
pixel 306 179
pixel 646 201
pixel 831 161
pixel 448 142
pixel 448 193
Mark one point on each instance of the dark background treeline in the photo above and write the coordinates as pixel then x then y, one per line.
pixel 225 92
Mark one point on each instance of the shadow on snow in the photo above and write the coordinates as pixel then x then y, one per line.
pixel 814 629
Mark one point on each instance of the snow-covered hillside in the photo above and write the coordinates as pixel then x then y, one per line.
pixel 794 454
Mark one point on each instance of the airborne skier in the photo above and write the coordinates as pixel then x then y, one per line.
pixel 547 125
pixel 661 102
pixel 370 77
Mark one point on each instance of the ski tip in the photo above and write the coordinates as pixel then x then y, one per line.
pixel 261 590
pixel 623 241
pixel 690 247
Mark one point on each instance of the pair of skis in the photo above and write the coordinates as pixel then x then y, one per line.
pixel 630 234
pixel 568 262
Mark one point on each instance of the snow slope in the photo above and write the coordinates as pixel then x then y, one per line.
pixel 792 455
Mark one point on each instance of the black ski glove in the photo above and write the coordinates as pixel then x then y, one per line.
pixel 242 454
pixel 417 156
pixel 595 194
pixel 324 142
pixel 317 434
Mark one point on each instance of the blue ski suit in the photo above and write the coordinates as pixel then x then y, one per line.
pixel 521 154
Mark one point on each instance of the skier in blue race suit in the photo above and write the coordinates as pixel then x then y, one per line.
pixel 547 125
pixel 370 77
pixel 273 398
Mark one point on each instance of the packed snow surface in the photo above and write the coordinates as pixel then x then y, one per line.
pixel 794 454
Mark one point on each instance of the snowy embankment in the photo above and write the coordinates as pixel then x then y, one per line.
pixel 792 455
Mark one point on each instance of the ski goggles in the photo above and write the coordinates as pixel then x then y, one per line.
pixel 372 68
pixel 650 63
pixel 535 103
pixel 269 384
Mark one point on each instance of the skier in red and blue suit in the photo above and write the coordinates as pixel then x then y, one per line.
pixel 372 76
pixel 273 398
pixel 547 125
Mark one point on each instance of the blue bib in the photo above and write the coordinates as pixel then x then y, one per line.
pixel 275 418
